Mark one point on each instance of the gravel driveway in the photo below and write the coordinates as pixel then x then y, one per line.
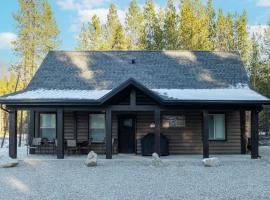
pixel 71 179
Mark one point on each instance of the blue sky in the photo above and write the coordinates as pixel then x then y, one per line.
pixel 71 13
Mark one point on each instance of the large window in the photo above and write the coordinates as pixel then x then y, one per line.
pixel 48 126
pixel 216 126
pixel 97 127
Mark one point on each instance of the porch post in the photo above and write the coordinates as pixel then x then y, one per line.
pixel 31 129
pixel 108 133
pixel 254 134
pixel 205 134
pixel 157 131
pixel 60 134
pixel 243 131
pixel 13 134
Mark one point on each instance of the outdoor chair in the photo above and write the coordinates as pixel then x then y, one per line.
pixel 35 144
pixel 84 146
pixel 72 146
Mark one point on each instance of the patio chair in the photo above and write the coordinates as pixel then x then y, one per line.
pixel 72 146
pixel 35 144
pixel 85 146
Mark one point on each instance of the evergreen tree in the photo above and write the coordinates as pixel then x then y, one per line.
pixel 96 34
pixel 115 32
pixel 134 19
pixel 151 38
pixel 241 37
pixel 83 39
pixel 170 26
pixel 50 30
pixel 211 24
pixel 266 44
pixel 194 32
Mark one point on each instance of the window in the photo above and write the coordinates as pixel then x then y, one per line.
pixel 48 126
pixel 216 127
pixel 173 121
pixel 97 127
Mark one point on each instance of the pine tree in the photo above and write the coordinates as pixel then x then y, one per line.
pixel 115 32
pixel 50 30
pixel 151 38
pixel 170 26
pixel 134 19
pixel 242 42
pixel 266 43
pixel 96 34
pixel 254 64
pixel 194 34
pixel 211 24
pixel 83 39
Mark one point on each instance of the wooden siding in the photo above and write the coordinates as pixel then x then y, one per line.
pixel 187 140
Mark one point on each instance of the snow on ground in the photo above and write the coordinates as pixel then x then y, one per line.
pixel 136 178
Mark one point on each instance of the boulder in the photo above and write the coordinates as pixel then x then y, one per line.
pixel 6 162
pixel 211 162
pixel 156 161
pixel 91 159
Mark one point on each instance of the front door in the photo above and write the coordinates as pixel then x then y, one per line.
pixel 126 134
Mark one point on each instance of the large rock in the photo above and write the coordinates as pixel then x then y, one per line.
pixel 211 162
pixel 6 162
pixel 156 161
pixel 91 159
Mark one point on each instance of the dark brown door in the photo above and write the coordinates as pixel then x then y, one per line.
pixel 126 134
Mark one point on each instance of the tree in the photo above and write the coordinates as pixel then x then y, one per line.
pixel 170 26
pixel 114 30
pixel 211 24
pixel 194 34
pixel 37 33
pixel 133 21
pixel 83 39
pixel 151 38
pixel 96 34
pixel 50 30
pixel 241 37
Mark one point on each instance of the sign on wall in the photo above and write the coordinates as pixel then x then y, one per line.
pixel 173 121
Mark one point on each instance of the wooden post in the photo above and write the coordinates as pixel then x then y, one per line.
pixel 13 134
pixel 243 131
pixel 205 134
pixel 157 131
pixel 108 133
pixel 254 134
pixel 60 134
pixel 31 129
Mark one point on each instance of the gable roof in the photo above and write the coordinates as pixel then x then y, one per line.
pixel 166 76
pixel 105 70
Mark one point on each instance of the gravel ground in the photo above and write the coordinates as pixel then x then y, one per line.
pixel 137 179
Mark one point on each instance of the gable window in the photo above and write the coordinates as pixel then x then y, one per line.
pixel 48 126
pixel 216 126
pixel 97 127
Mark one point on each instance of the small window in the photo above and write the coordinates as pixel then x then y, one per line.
pixel 216 127
pixel 97 127
pixel 48 126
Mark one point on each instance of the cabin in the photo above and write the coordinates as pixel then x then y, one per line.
pixel 168 102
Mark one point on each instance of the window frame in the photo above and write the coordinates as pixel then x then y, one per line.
pixel 89 128
pixel 225 126
pixel 39 123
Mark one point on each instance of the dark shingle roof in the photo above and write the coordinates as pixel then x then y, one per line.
pixel 154 69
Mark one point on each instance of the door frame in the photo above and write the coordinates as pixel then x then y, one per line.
pixel 121 117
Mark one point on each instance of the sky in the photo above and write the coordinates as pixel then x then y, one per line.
pixel 70 14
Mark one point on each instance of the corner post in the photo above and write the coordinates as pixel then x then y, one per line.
pixel 108 133
pixel 205 134
pixel 60 134
pixel 13 134
pixel 157 131
pixel 254 134
pixel 31 130
pixel 243 131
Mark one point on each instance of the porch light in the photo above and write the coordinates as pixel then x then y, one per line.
pixel 152 125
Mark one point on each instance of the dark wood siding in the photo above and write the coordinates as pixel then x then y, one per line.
pixel 69 125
